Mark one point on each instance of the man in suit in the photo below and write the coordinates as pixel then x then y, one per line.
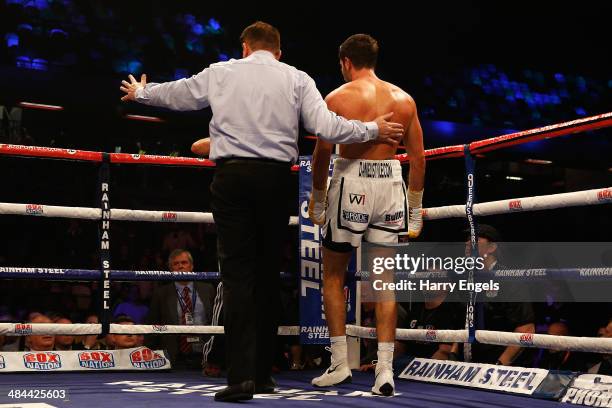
pixel 182 302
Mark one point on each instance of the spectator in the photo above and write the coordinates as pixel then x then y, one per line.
pixel 435 313
pixel 39 342
pixel 560 359
pixel 8 343
pixel 83 302
pixel 176 239
pixel 133 306
pixel 63 342
pixel 182 302
pixel 90 342
pixel 122 341
pixel 604 366
pixel 500 316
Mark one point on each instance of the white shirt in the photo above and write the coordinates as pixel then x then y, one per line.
pixel 257 103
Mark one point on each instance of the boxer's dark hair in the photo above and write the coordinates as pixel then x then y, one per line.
pixel 260 35
pixel 361 49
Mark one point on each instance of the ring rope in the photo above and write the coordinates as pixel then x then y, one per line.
pixel 571 343
pixel 480 146
pixel 512 205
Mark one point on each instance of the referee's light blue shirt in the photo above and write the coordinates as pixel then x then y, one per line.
pixel 257 103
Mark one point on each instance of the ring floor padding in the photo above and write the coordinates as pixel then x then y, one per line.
pixel 191 389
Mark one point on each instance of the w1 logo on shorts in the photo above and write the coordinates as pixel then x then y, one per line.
pixel 358 199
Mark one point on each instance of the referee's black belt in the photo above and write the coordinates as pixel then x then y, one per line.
pixel 251 160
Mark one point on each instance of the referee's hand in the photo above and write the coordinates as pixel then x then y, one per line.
pixel 130 87
pixel 389 132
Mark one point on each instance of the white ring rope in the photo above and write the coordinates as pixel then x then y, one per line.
pixel 547 341
pixel 81 329
pixel 523 204
pixel 116 214
pixel 584 344
pixel 544 202
pixel 438 336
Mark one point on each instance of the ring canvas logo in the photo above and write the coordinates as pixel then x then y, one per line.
pixel 96 359
pixel 147 359
pixel 42 361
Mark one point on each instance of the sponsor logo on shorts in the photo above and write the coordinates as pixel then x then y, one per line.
pixel 23 329
pixel 43 361
pixel 357 198
pixel 526 339
pixel 146 358
pixel 169 216
pixel 160 328
pixel 34 209
pixel 394 218
pixel 375 170
pixel 431 335
pixel 605 195
pixel 515 205
pixel 96 359
pixel 2 363
pixel 355 217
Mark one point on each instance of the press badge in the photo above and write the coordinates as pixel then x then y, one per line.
pixel 189 322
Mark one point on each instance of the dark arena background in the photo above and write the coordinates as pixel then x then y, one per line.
pixel 476 71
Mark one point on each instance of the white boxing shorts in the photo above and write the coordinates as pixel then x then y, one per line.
pixel 365 199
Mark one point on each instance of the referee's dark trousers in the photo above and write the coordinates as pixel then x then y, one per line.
pixel 250 200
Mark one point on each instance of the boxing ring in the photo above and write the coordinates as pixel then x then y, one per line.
pixel 135 386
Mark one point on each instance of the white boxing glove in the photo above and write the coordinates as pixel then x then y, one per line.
pixel 415 217
pixel 317 206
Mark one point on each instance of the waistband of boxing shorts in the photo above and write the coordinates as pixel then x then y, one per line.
pixel 367 169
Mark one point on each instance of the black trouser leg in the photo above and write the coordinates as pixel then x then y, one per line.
pixel 250 209
pixel 272 225
pixel 236 246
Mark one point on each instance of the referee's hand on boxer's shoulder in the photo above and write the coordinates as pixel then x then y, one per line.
pixel 389 132
pixel 130 87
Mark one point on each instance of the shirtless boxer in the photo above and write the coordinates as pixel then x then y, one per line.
pixel 366 198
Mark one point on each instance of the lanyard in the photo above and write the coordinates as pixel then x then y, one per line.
pixel 184 307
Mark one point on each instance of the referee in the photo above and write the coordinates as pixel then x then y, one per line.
pixel 257 103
